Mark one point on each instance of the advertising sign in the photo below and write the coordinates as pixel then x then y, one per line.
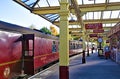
pixel 93 26
pixel 93 35
pixel 98 30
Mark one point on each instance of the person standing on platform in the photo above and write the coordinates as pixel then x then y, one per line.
pixel 107 51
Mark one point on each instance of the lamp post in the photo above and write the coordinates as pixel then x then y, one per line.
pixel 100 50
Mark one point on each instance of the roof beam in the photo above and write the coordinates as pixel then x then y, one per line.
pixel 46 10
pixel 79 29
pixel 83 8
pixel 80 34
pixel 92 21
pixel 100 7
pixel 77 11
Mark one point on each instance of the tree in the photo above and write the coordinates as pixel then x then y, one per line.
pixel 53 30
pixel 45 30
pixel 32 26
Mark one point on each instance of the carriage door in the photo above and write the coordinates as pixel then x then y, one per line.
pixel 28 54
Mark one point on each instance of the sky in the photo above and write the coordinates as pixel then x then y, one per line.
pixel 14 13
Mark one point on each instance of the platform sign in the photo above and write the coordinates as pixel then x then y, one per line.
pixel 98 30
pixel 93 35
pixel 94 26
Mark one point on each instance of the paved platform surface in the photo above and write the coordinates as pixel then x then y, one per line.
pixel 94 68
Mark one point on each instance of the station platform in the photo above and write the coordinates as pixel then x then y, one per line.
pixel 94 68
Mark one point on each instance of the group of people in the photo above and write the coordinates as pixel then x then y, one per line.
pixel 107 51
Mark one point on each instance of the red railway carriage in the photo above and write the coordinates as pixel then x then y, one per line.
pixel 11 56
pixel 28 52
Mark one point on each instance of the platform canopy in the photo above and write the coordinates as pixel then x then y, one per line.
pixel 82 12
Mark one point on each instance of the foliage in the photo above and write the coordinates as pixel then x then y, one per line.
pixel 45 30
pixel 75 38
pixel 32 26
pixel 53 30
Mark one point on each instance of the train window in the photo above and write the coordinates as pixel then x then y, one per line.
pixel 54 47
pixel 28 44
pixel 26 53
pixel 28 47
pixel 31 45
pixel 71 46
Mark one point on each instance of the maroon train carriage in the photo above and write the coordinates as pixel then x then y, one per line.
pixel 30 51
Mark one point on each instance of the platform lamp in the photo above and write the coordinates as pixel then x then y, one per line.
pixel 100 50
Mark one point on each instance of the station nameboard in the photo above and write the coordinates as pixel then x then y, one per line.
pixel 93 26
pixel 98 30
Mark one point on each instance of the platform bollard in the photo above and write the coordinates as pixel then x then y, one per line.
pixel 83 57
pixel 92 50
pixel 88 53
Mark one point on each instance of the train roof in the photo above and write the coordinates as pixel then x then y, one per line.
pixel 23 30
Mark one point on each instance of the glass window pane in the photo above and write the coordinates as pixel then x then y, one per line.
pixel 114 0
pixel 43 3
pixel 70 26
pixel 88 1
pixel 115 14
pixel 100 1
pixel 104 25
pixel 29 2
pixel 83 17
pixel 53 2
pixel 97 15
pixel 113 24
pixel 106 14
pixel 108 25
pixel 79 2
pixel 90 15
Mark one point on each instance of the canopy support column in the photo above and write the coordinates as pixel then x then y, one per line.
pixel 64 40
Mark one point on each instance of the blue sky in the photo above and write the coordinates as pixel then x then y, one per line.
pixel 14 13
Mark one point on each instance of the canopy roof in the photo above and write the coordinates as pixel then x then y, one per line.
pixel 106 12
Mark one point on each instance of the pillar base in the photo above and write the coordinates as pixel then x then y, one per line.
pixel 83 57
pixel 88 53
pixel 83 60
pixel 64 72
